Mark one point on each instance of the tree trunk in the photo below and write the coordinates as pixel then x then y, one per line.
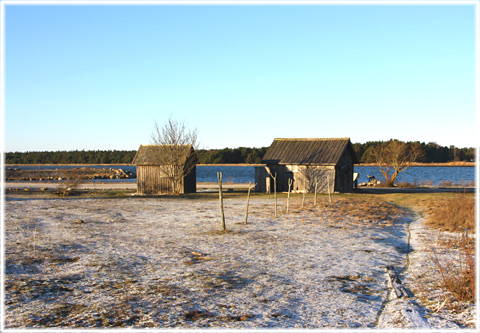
pixel 388 182
pixel 394 176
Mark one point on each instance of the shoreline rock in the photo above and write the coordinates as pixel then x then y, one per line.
pixel 12 174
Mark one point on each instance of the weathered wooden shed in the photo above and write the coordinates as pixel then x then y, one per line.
pixel 328 162
pixel 152 163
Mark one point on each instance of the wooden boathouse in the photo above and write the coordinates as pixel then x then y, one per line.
pixel 328 163
pixel 154 169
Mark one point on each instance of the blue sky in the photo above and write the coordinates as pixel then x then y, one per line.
pixel 98 77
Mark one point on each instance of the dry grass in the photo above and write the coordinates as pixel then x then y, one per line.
pixel 458 277
pixel 450 213
pixel 361 210
pixel 453 214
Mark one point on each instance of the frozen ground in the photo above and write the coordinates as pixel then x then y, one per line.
pixel 161 262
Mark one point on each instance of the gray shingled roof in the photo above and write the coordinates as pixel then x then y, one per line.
pixel 151 154
pixel 308 151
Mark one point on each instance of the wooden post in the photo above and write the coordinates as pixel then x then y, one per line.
pixel 290 181
pixel 248 200
pixel 396 282
pixel 220 195
pixel 34 247
pixel 274 188
pixel 275 193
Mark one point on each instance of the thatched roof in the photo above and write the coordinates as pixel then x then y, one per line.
pixel 308 151
pixel 155 154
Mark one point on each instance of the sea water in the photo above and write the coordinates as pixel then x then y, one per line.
pixel 245 174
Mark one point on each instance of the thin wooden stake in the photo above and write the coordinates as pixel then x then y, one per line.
pixel 248 200
pixel 34 246
pixel 275 193
pixel 274 187
pixel 290 181
pixel 220 195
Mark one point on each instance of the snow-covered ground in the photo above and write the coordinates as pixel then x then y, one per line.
pixel 162 262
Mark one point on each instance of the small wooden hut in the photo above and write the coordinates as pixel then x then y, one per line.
pixel 154 169
pixel 306 162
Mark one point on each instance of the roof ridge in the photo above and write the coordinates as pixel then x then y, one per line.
pixel 309 139
pixel 155 145
pixel 306 151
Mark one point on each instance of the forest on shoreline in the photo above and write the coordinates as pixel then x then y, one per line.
pixel 432 153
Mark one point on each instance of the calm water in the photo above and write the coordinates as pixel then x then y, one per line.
pixel 245 174
pixel 413 174
pixel 422 174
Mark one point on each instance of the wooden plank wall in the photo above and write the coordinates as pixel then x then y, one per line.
pixel 149 180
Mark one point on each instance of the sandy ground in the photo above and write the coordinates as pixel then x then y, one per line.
pixel 162 262
pixel 209 187
pixel 111 186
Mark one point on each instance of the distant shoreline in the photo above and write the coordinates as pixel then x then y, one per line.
pixel 418 164
pixel 446 164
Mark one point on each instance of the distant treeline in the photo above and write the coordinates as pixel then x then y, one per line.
pixel 71 157
pixel 433 153
pixel 210 156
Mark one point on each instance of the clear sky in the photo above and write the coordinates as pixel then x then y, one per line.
pixel 98 77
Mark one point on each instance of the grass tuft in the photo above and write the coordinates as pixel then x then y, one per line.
pixel 459 277
pixel 454 214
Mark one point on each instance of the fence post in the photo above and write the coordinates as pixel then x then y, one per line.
pixel 220 196
pixel 290 181
pixel 248 200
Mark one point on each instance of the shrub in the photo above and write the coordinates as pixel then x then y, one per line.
pixel 426 182
pixel 459 277
pixel 407 185
pixel 445 183
pixel 71 182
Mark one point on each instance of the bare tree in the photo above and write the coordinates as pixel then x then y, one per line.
pixel 177 157
pixel 396 156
